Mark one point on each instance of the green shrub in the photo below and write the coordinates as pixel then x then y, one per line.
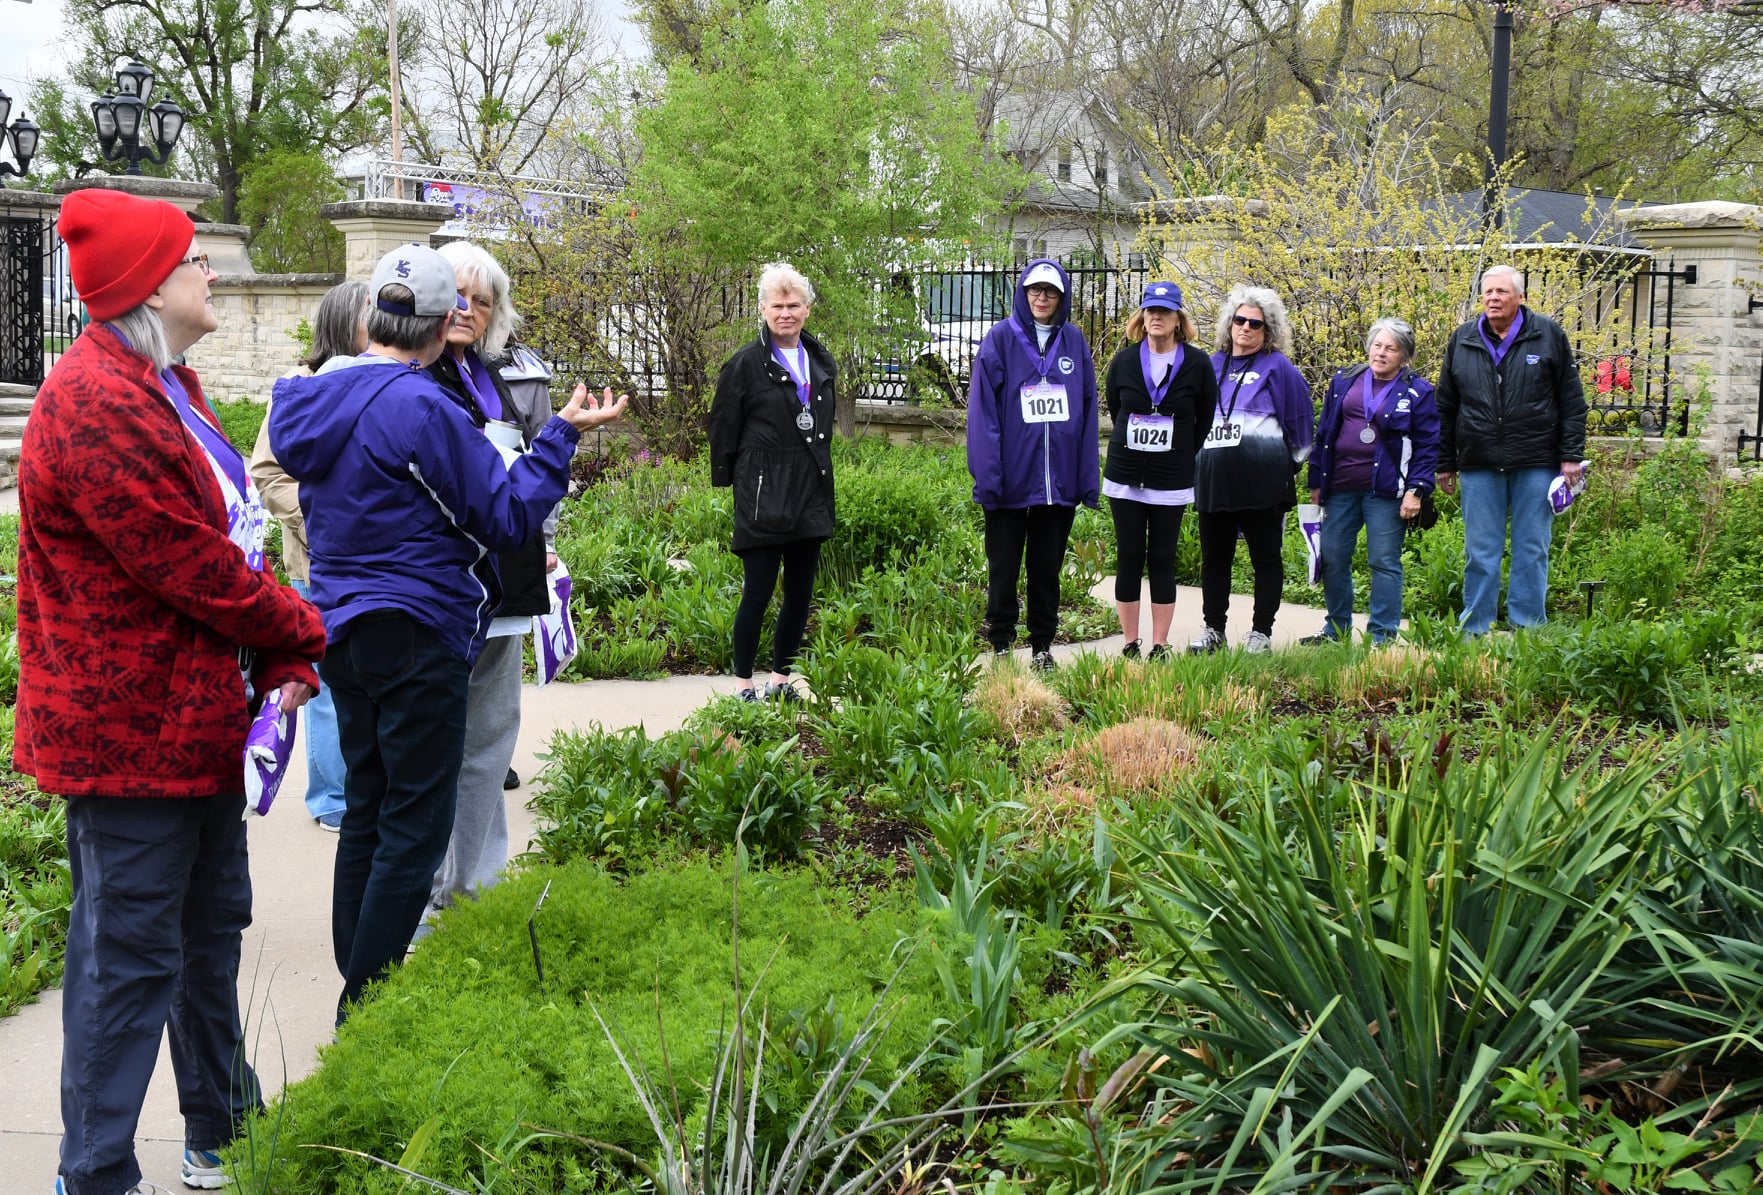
pixel 36 892
pixel 1432 571
pixel 1642 570
pixel 464 1036
pixel 1628 668
pixel 882 518
pixel 240 421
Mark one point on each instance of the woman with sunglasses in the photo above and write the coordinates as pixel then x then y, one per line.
pixel 1246 477
pixel 1161 392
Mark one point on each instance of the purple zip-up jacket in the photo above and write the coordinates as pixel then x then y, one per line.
pixel 1407 448
pixel 1016 464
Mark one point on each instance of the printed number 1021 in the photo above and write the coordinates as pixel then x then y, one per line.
pixel 1047 406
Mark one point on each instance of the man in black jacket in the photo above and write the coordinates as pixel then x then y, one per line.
pixel 1512 416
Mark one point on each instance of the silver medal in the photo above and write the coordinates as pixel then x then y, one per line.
pixel 805 420
pixel 1367 436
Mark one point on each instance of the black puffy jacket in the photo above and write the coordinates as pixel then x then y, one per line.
pixel 1530 413
pixel 1190 400
pixel 782 476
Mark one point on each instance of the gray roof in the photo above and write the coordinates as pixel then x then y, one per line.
pixel 1538 217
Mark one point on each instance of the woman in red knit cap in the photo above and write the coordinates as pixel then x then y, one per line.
pixel 148 630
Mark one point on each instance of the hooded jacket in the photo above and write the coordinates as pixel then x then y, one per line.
pixel 1407 426
pixel 782 475
pixel 1016 463
pixel 1190 400
pixel 1528 414
pixel 132 602
pixel 404 498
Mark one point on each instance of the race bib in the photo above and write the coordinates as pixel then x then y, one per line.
pixel 1224 434
pixel 1150 433
pixel 1045 402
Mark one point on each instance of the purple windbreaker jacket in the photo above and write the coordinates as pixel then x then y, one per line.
pixel 1017 464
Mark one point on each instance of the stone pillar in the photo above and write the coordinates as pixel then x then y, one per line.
pixel 186 195
pixel 225 245
pixel 256 342
pixel 372 228
pixel 1712 325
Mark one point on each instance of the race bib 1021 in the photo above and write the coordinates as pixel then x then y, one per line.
pixel 1045 402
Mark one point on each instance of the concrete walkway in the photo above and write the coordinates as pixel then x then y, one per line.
pixel 289 976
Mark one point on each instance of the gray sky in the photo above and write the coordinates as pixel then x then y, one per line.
pixel 27 44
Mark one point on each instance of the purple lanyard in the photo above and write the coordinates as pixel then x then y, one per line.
pixel 477 380
pixel 1498 351
pixel 798 371
pixel 1028 342
pixel 1373 407
pixel 1156 390
pixel 219 449
pixel 1225 373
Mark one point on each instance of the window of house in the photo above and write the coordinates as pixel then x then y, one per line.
pixel 1019 247
pixel 1064 167
pixel 1102 169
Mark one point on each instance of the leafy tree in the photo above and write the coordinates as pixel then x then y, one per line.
pixel 828 133
pixel 254 77
pixel 282 194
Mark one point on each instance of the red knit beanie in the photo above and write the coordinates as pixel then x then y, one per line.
pixel 120 247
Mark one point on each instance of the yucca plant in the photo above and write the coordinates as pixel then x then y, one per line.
pixel 1361 957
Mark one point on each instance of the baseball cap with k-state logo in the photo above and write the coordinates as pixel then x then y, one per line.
pixel 428 276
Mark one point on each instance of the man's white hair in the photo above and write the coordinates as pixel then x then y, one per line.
pixel 1511 272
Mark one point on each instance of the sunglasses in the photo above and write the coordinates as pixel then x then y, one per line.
pixel 199 259
pixel 1243 321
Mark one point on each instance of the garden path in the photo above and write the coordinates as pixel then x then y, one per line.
pixel 288 975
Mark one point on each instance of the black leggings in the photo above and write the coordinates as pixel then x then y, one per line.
pixel 1262 530
pixel 1145 535
pixel 799 562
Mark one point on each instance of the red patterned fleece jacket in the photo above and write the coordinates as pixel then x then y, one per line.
pixel 132 601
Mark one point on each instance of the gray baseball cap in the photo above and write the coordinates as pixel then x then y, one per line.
pixel 426 274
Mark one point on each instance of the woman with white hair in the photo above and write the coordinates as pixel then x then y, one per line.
pixel 1246 479
pixel 770 427
pixel 1377 441
pixel 473 370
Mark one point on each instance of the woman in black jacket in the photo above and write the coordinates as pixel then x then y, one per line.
pixel 1161 394
pixel 770 438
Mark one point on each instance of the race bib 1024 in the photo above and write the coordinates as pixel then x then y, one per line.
pixel 1150 433
pixel 1045 402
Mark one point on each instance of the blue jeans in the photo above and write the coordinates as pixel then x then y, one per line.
pixel 324 758
pixel 161 897
pixel 1492 499
pixel 1344 512
pixel 401 701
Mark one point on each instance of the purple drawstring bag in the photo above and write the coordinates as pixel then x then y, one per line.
pixel 1561 495
pixel 1310 523
pixel 554 642
pixel 268 746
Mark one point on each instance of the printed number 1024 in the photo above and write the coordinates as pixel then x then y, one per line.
pixel 1150 437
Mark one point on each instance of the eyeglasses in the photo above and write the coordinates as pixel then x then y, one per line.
pixel 1243 321
pixel 199 259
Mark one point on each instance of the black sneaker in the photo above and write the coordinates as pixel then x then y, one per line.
pixel 511 781
pixel 784 693
pixel 747 694
pixel 1319 639
pixel 1159 651
pixel 1130 651
pixel 1042 661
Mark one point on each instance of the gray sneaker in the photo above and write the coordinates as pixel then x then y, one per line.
pixel 1257 644
pixel 1209 641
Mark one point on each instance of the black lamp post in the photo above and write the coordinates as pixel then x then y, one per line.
pixel 120 117
pixel 21 135
pixel 1491 210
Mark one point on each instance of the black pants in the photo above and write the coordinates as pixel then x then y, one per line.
pixel 1042 533
pixel 799 561
pixel 1218 548
pixel 401 699
pixel 1144 537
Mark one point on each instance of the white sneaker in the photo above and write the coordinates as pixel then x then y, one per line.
pixel 1257 644
pixel 204 1170
pixel 1209 641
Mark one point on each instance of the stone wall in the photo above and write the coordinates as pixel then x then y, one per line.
pixel 1714 332
pixel 255 343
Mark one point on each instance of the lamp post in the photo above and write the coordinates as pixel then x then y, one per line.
pixel 22 135
pixel 119 118
pixel 1491 210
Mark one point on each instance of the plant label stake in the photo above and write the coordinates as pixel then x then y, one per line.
pixel 532 932
pixel 1590 589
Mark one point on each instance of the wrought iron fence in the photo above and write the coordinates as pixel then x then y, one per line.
pixel 40 313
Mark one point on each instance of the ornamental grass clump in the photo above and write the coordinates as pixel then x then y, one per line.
pixel 1018 704
pixel 1397 672
pixel 1358 960
pixel 1143 757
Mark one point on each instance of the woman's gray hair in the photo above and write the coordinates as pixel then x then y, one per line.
pixel 1511 272
pixel 782 278
pixel 1273 312
pixel 474 266
pixel 1399 330
pixel 143 329
pixel 342 310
